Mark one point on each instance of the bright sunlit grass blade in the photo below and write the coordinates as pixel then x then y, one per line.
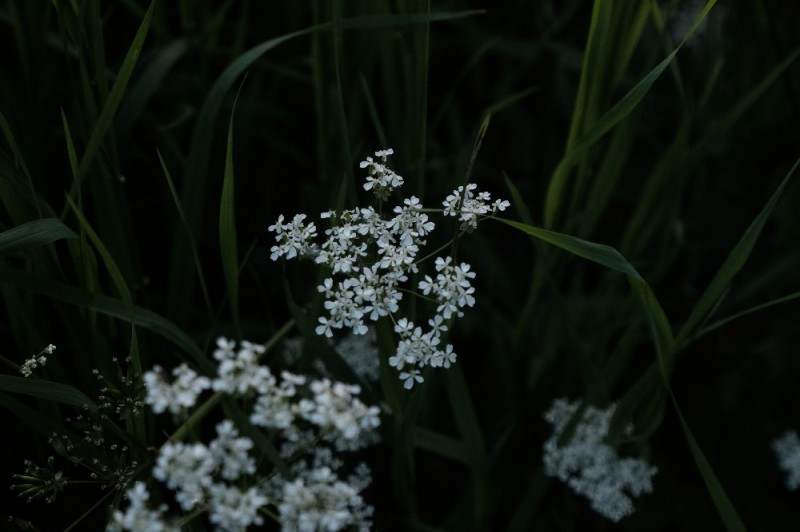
pixel 34 234
pixel 47 390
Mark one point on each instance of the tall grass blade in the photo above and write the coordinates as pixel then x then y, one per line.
pixel 227 232
pixel 111 104
pixel 725 508
pixel 108 260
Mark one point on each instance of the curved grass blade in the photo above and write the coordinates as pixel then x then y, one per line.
pixel 198 265
pixel 735 261
pixel 727 512
pixel 108 260
pixel 34 234
pixel 665 344
pixel 47 390
pixel 762 306
pixel 147 85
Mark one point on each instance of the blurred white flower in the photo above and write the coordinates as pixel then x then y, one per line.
pixel 787 449
pixel 590 466
pixel 181 394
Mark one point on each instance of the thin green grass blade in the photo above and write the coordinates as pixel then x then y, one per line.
pixel 581 144
pixel 143 90
pixel 227 232
pixel 193 246
pixel 19 160
pixel 108 260
pixel 135 424
pixel 518 202
pixel 725 508
pixel 600 253
pixel 373 112
pixel 47 390
pixel 34 234
pixel 757 308
pixel 72 154
pixel 735 261
pixel 442 445
pixel 468 427
pixel 111 104
pixel 116 308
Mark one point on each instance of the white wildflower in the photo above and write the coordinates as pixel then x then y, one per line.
pixel 187 468
pixel 382 180
pixel 179 395
pixel 787 449
pixel 238 372
pixel 469 207
pixel 294 238
pixel 337 411
pixel 138 517
pixel 590 466
pixel 370 257
pixel 230 508
pixel 37 360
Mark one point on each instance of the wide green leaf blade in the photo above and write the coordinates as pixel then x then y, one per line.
pixel 34 234
pixel 47 390
pixel 599 253
pixel 46 286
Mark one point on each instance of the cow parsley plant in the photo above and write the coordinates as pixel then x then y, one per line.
pixel 371 255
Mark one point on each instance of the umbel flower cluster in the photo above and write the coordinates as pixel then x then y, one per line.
pixel 309 417
pixel 590 466
pixel 370 257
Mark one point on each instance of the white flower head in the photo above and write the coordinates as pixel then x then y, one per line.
pixel 36 360
pixel 382 180
pixel 469 207
pixel 177 396
pixel 590 466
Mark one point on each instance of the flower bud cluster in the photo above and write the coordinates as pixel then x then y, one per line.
pixel 370 256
